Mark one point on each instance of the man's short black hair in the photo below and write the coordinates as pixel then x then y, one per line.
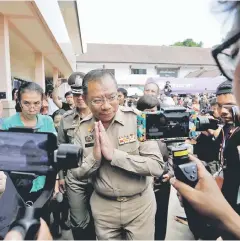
pixel 94 75
pixel 224 88
pixel 148 102
pixel 123 91
pixel 67 94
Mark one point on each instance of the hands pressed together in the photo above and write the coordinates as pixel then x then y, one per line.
pixel 102 146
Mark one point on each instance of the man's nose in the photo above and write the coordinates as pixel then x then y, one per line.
pixel 224 111
pixel 106 105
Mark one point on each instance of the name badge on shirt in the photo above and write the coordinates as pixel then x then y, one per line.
pixel 126 139
pixel 88 138
pixel 89 141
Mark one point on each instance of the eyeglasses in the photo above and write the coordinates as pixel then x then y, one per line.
pixel 227 56
pixel 99 102
pixel 29 105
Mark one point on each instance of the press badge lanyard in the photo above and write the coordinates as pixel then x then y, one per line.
pixel 225 139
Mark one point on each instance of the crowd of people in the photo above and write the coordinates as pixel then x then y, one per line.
pixel 121 189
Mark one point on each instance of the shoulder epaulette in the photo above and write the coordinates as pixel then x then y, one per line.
pixel 130 109
pixel 69 112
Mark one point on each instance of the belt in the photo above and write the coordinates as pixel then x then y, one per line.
pixel 120 198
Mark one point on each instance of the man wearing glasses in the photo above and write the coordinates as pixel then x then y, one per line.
pixel 206 198
pixel 121 168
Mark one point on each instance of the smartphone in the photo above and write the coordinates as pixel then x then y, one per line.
pixel 27 152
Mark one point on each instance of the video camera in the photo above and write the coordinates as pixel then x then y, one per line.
pixel 171 122
pixel 27 153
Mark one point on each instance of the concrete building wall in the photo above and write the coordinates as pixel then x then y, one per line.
pixel 123 70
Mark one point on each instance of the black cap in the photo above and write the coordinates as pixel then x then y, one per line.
pixel 224 88
pixel 75 81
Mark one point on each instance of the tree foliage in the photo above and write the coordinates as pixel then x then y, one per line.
pixel 188 43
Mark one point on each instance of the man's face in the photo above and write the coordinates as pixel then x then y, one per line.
pixel 225 113
pixel 151 89
pixel 79 102
pixel 31 103
pixel 121 98
pixel 102 99
pixel 69 99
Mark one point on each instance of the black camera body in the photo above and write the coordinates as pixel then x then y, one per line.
pixel 25 153
pixel 184 169
pixel 24 150
pixel 171 122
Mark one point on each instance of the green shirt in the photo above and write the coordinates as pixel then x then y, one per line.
pixel 44 124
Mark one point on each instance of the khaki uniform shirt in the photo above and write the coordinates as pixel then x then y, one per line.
pixel 68 124
pixel 66 130
pixel 134 163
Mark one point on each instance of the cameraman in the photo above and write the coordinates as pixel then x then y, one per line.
pixel 206 197
pixel 167 89
pixel 208 145
pixel 148 103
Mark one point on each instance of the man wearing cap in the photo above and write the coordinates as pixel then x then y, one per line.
pixel 76 190
pixel 121 168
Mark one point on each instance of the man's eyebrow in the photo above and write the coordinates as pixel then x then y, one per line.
pixel 230 103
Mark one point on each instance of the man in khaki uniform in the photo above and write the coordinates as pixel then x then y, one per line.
pixel 77 191
pixel 121 169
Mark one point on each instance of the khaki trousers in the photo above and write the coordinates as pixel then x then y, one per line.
pixel 132 219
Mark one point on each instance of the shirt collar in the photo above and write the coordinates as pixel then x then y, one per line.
pixel 39 124
pixel 119 117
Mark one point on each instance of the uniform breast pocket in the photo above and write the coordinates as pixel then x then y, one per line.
pixel 70 135
pixel 88 150
pixel 130 148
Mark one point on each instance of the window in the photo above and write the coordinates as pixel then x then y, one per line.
pixel 112 71
pixel 167 72
pixel 138 71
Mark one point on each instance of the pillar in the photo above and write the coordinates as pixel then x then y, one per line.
pixel 8 106
pixel 39 70
pixel 5 66
pixel 55 76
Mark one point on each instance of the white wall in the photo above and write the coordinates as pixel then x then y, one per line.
pixel 185 70
pixel 122 71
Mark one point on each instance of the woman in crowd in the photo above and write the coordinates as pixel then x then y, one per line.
pixel 29 103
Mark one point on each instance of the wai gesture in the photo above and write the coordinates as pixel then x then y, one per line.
pixel 102 146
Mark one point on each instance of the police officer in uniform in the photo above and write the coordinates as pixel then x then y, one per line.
pixel 120 168
pixel 77 191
